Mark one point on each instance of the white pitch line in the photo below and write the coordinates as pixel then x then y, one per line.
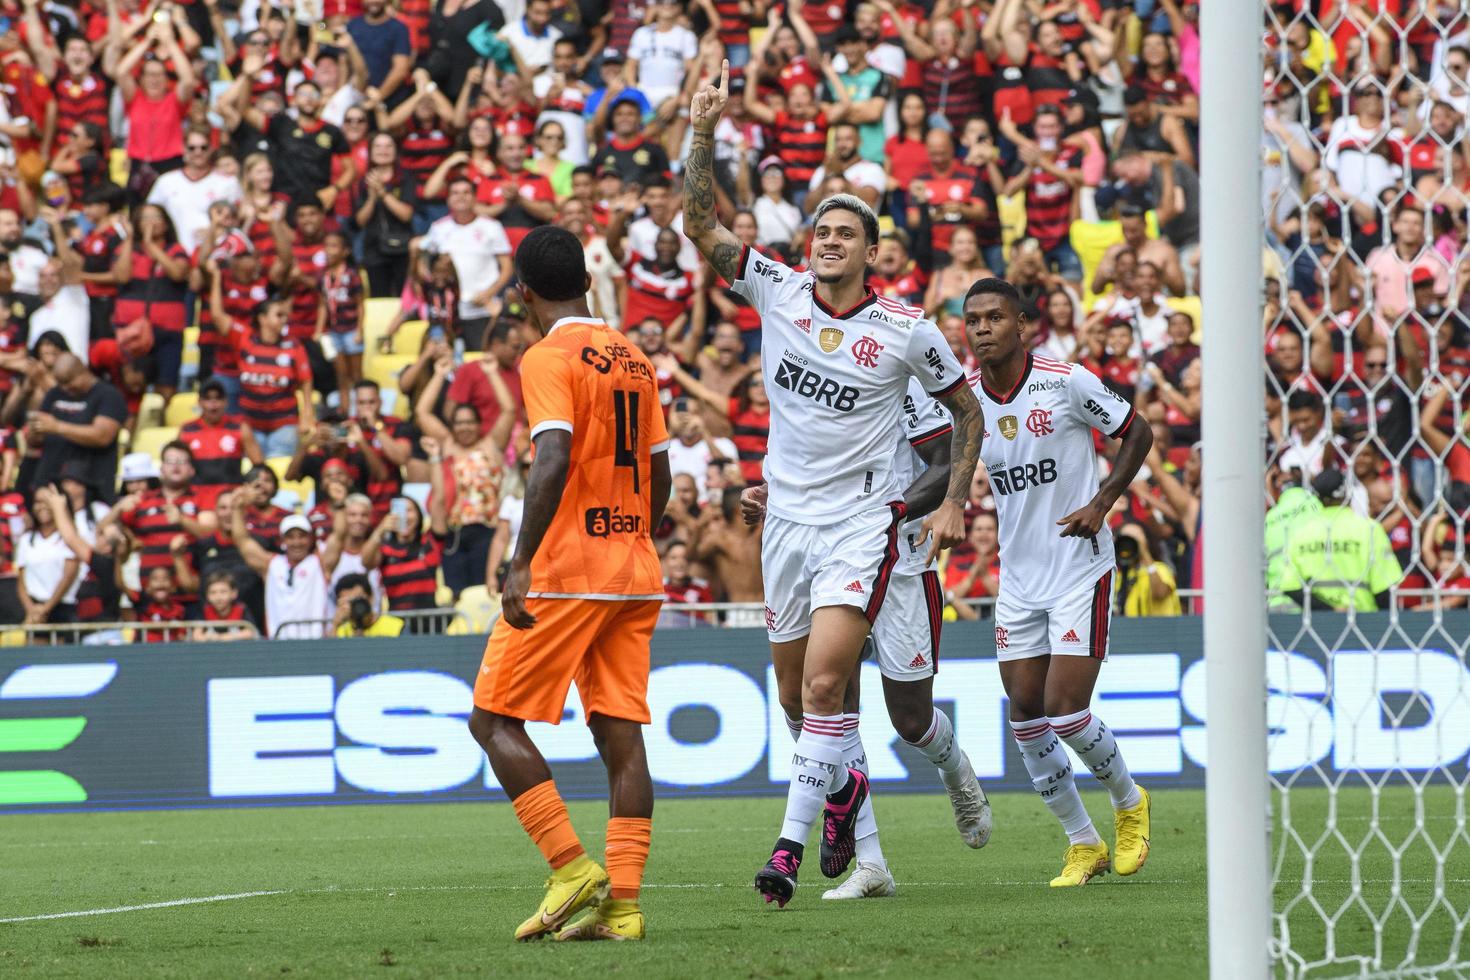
pixel 140 908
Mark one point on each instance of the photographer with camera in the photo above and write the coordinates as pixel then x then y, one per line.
pixel 1145 584
pixel 356 613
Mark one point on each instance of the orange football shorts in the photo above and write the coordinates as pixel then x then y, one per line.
pixel 601 644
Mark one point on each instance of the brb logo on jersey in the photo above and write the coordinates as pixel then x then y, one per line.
pixel 1023 476
pixel 809 384
pixel 865 351
pixel 1038 423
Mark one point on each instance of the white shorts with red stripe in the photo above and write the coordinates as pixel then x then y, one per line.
pixel 906 633
pixel 1074 626
pixel 807 566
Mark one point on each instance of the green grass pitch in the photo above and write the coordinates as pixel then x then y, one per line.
pixel 436 890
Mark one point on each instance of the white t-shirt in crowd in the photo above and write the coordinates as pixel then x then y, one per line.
pixel 643 236
pixel 661 58
pixel 43 559
pixel 695 459
pixel 534 50
pixel 187 201
pixel 297 593
pixel 512 509
pixel 26 263
pixel 860 173
pixel 68 313
pixel 475 247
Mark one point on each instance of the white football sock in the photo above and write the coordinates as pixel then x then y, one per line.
pixel 816 770
pixel 793 725
pixel 1051 774
pixel 938 746
pixel 869 851
pixel 1095 746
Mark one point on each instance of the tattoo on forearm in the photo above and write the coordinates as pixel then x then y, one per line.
pixel 964 452
pixel 699 208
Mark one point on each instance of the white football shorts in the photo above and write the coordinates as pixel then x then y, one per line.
pixel 1074 626
pixel 808 566
pixel 906 632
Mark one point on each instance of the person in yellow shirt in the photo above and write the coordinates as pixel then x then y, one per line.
pixel 355 613
pixel 1144 585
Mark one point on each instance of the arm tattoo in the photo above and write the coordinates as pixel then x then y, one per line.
pixel 964 444
pixel 700 224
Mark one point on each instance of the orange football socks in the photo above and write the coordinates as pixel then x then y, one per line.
pixel 541 811
pixel 627 853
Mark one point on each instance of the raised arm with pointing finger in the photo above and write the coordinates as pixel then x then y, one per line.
pixel 718 243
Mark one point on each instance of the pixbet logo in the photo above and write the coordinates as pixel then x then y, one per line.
pixel 42 682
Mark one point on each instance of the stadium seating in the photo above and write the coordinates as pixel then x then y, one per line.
pixel 183 407
pixel 409 337
pixel 153 439
pixel 385 369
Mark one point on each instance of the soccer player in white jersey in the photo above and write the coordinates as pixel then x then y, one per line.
pixel 905 641
pixel 1056 587
pixel 836 361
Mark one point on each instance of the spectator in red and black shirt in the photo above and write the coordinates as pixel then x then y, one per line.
pixel 102 206
pixel 155 517
pixel 222 605
pixel 158 603
pixel 341 312
pixel 152 273
pixel 657 288
pixel 219 444
pixel 408 554
pixel 748 409
pixel 246 281
pixel 81 161
pixel 273 372
pixel 1050 172
pixel 516 197
pixel 385 437
pixel 82 95
pixel 309 264
pixel 800 137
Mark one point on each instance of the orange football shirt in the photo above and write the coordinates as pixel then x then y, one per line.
pixel 586 378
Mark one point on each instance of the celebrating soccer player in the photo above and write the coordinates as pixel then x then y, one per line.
pixel 1056 588
pixel 836 364
pixel 583 592
pixel 906 646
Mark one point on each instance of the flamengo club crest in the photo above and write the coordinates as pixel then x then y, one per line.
pixel 1008 426
pixel 1038 423
pixel 829 339
pixel 865 352
pixel 1002 637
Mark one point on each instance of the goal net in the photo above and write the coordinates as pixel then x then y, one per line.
pixel 1366 174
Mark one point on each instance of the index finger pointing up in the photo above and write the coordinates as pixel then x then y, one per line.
pixel 725 77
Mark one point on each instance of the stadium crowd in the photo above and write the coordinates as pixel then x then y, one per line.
pixel 263 247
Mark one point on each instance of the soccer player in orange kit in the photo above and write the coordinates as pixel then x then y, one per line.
pixel 583 592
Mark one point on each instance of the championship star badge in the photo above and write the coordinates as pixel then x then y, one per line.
pixel 1008 426
pixel 829 339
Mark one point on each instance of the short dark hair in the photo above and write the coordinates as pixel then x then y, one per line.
pixel 499 331
pixel 214 578
pixel 354 580
pixel 658 180
pixel 993 286
pixel 854 205
pixel 367 383
pixel 1302 398
pixel 108 193
pixel 1134 95
pixel 551 264
pixel 179 445
pixel 305 201
pixel 585 169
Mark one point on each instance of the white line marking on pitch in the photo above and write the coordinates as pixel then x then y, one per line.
pixel 140 908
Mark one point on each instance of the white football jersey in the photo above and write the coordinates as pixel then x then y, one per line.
pixel 836 381
pixel 923 419
pixel 1042 462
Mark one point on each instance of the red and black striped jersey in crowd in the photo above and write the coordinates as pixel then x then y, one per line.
pixel 99 252
pixel 734 23
pixel 420 151
pixel 1169 90
pixel 824 17
pixel 271 77
pixel 415 16
pixel 908 286
pixel 107 360
pixel 321 518
pixel 83 99
pixel 952 89
pixel 12 522
pixel 151 526
pixel 693 590
pixel 27 94
pixel 409 571
pixel 519 119
pixel 1050 199
pixel 511 189
pixel 1121 375
pixel 261 238
pixel 219 451
pixel 12 340
pixel 801 144
pixel 235 614
pixel 311 264
pixel 240 300
pixel 382 492
pixel 264 526
pixel 627 17
pixel 1047 79
pixel 798 71
pixel 944 192
pixel 660 294
pixel 342 292
pixel 151 294
pixel 270 376
pixel 150 611
pixel 750 431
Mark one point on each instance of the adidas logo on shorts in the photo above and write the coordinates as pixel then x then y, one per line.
pixel 1071 637
pixel 854 586
pixel 918 662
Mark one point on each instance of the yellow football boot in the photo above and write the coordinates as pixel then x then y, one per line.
pixel 1130 835
pixel 618 919
pixel 570 889
pixel 1081 864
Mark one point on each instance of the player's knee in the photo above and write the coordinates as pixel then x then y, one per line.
pixel 822 694
pixel 482 725
pixel 910 723
pixel 1059 703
